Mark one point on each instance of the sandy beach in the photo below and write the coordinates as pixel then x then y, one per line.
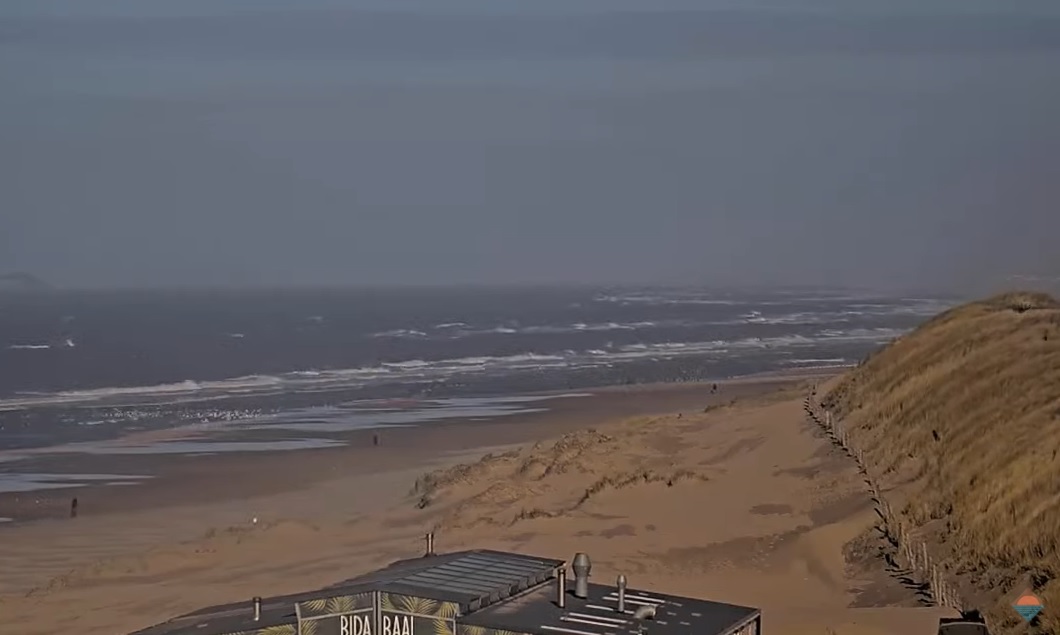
pixel 732 497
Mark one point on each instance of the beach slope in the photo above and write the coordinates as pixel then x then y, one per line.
pixel 960 421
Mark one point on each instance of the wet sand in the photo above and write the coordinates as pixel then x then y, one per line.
pixel 167 480
pixel 742 503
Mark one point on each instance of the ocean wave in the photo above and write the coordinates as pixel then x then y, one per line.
pixel 676 298
pixel 765 314
pixel 66 343
pixel 821 362
pixel 868 303
pixel 400 333
pixel 427 371
pixel 457 330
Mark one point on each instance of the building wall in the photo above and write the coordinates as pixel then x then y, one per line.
pixel 408 615
pixel 368 613
pixel 754 627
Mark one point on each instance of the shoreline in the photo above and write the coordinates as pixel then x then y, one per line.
pixel 201 477
pixel 734 498
pixel 37 430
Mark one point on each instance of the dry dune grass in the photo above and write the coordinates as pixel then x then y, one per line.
pixel 549 480
pixel 961 418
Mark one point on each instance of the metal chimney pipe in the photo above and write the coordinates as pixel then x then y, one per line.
pixel 561 587
pixel 430 544
pixel 257 609
pixel 581 565
pixel 621 593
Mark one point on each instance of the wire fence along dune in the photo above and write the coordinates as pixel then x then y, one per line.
pixel 956 429
pixel 912 559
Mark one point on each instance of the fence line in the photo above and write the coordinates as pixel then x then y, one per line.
pixel 911 554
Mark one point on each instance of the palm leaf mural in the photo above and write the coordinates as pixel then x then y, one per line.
pixel 467 629
pixel 448 610
pixel 340 604
pixel 309 627
pixel 317 606
pixel 505 633
pixel 418 606
pixel 386 602
pixel 282 629
pixel 443 627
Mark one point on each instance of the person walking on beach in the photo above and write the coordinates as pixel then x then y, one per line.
pixel 73 508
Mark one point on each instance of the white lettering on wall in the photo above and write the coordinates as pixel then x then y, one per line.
pixel 355 624
pixel 396 624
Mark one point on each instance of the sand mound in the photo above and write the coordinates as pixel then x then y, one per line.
pixel 549 480
pixel 962 418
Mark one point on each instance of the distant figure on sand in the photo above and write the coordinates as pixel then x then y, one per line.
pixel 73 508
pixel 375 439
pixel 713 388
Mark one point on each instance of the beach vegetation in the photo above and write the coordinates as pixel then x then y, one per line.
pixel 959 420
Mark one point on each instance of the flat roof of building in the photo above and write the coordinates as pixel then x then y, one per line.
pixel 537 612
pixel 473 579
pixel 496 590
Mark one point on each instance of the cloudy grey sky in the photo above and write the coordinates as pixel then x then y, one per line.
pixel 151 142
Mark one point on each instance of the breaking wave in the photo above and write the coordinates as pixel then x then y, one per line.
pixel 425 371
pixel 845 314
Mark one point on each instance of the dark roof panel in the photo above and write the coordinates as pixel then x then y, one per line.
pixel 517 591
pixel 537 612
pixel 468 577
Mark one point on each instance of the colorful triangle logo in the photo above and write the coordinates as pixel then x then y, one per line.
pixel 1028 606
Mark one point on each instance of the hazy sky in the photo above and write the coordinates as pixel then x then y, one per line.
pixel 148 142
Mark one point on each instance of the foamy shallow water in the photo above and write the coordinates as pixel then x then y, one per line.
pixel 202 447
pixel 346 420
pixel 36 481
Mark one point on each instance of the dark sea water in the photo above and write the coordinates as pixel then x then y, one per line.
pixel 88 365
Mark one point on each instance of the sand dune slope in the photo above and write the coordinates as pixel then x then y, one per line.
pixel 961 418
pixel 741 504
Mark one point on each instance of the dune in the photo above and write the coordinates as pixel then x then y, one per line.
pixel 742 502
pixel 959 422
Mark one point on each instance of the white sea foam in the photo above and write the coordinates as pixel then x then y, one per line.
pixel 421 371
pixel 192 447
pixel 29 347
pixel 400 333
pixel 845 311
pixel 456 330
pixel 816 361
pixel 31 482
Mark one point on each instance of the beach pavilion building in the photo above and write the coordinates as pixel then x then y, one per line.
pixel 477 592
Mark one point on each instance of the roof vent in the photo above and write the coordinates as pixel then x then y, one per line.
pixel 561 587
pixel 646 612
pixel 621 594
pixel 429 538
pixel 257 609
pixel 581 566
